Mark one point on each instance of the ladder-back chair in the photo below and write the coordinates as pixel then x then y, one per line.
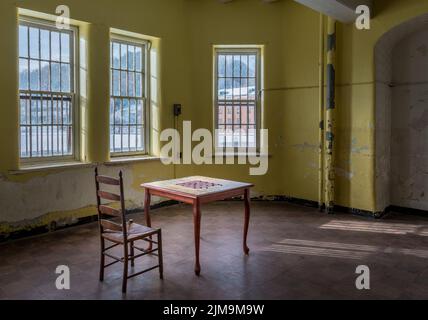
pixel 119 231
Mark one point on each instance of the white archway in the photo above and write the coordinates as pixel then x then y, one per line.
pixel 402 116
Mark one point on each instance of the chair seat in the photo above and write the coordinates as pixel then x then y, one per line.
pixel 135 232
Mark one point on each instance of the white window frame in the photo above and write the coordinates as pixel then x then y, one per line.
pixel 30 21
pixel 235 50
pixel 146 45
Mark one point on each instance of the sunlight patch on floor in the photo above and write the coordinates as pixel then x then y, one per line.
pixel 339 250
pixel 377 227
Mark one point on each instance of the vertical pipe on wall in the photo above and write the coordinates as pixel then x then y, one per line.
pixel 321 117
pixel 330 116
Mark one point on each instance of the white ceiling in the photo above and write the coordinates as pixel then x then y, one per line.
pixel 341 10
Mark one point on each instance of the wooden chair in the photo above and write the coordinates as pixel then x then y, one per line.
pixel 123 232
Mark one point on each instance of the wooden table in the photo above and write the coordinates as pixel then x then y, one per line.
pixel 196 191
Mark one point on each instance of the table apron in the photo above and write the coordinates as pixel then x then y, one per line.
pixel 222 195
pixel 203 199
pixel 171 196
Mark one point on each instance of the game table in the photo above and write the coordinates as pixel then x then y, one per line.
pixel 197 191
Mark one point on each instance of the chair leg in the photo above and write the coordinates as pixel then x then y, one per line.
pixel 102 260
pixel 160 254
pixel 132 254
pixel 125 269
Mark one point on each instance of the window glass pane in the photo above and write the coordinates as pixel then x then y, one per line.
pixel 124 56
pixel 252 66
pixel 55 74
pixel 118 112
pixel 139 59
pixel 34 75
pixel 125 113
pixel 221 65
pixel 45 44
pixel 23 74
pixel 140 112
pixel 133 139
pixel 55 46
pixel 45 76
pixel 112 111
pixel 244 66
pixel 116 55
pixel 23 41
pixel 131 84
pixel 229 66
pixel 221 88
pixel 244 89
pixel 229 88
pixel 221 115
pixel 24 112
pixel 236 66
pixel 252 89
pixel 65 78
pixel 116 84
pixel 133 111
pixel 34 43
pixel 131 58
pixel 139 84
pixel 65 47
pixel 123 83
pixel 252 114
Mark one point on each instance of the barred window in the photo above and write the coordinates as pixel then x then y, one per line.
pixel 128 97
pixel 47 91
pixel 237 82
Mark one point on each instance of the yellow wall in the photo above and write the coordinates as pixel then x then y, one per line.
pixel 187 30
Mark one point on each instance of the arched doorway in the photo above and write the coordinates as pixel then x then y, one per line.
pixel 401 57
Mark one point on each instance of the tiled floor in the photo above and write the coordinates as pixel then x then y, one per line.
pixel 296 253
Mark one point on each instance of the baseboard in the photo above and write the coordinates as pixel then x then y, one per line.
pixel 413 212
pixel 301 202
pixel 16 235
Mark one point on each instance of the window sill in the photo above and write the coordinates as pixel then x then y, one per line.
pixel 42 167
pixel 130 160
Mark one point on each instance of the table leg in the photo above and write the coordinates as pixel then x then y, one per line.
pixel 247 219
pixel 197 226
pixel 147 203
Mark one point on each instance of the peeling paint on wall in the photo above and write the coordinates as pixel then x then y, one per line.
pixel 63 197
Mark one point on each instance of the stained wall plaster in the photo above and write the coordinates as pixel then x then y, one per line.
pixel 402 115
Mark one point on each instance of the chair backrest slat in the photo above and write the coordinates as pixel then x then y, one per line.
pixel 110 211
pixel 108 180
pixel 110 225
pixel 109 196
pixel 104 209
